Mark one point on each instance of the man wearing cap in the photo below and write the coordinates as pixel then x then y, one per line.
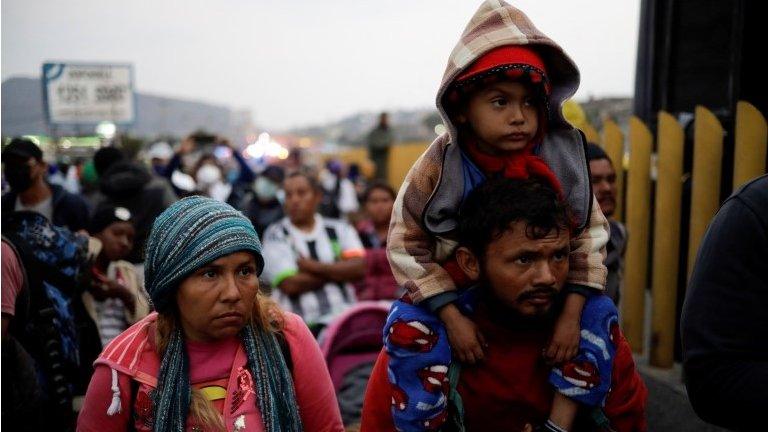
pixel 25 171
pixel 603 177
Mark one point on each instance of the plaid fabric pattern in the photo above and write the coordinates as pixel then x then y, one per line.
pixel 415 251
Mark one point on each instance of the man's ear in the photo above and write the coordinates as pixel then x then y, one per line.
pixel 468 263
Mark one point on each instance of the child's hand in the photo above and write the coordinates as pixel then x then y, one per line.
pixel 564 344
pixel 466 340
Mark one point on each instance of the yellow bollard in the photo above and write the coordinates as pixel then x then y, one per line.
pixel 401 158
pixel 705 182
pixel 750 149
pixel 638 221
pixel 613 142
pixel 666 240
pixel 590 132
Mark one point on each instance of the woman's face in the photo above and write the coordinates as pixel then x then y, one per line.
pixel 216 301
pixel 379 206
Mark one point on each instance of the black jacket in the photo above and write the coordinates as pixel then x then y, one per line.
pixel 69 210
pixel 129 185
pixel 725 316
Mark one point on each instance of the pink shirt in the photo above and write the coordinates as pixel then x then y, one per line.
pixel 315 396
pixel 12 279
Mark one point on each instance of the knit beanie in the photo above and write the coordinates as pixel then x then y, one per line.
pixel 189 234
pixel 106 216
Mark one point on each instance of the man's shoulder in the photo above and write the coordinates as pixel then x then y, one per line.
pixel 276 231
pixel 755 196
pixel 336 224
pixel 618 230
pixel 66 198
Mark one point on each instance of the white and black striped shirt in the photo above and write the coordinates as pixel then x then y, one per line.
pixel 329 240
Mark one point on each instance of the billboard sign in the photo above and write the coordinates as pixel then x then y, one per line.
pixel 87 94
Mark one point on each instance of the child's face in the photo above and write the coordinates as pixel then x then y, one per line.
pixel 503 117
pixel 117 240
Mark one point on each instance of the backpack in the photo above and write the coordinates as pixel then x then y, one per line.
pixel 50 323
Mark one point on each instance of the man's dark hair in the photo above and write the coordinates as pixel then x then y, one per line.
pixel 105 157
pixel 595 152
pixel 314 183
pixel 203 138
pixel 380 185
pixel 22 148
pixel 491 208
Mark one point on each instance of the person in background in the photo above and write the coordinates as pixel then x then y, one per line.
pixel 724 323
pixel 217 355
pixel 603 177
pixel 262 203
pixel 159 154
pixel 25 171
pixel 124 183
pixel 208 172
pixel 339 195
pixel 355 175
pixel 379 283
pixel 311 260
pixel 116 298
pixel 379 142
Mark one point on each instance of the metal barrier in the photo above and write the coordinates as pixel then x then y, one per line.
pixel 750 143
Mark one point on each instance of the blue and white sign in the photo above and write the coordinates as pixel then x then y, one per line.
pixel 83 94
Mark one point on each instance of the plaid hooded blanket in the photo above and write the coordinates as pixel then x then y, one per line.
pixel 422 231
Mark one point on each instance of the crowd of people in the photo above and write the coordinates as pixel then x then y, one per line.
pixel 80 254
pixel 194 291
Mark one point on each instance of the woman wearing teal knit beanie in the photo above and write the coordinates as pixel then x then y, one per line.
pixel 216 355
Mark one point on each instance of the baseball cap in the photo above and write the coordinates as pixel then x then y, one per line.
pixel 23 148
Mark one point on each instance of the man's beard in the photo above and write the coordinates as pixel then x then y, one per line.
pixel 511 317
pixel 603 200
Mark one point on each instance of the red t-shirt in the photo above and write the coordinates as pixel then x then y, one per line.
pixel 511 387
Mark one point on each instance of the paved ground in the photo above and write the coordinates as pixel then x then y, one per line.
pixel 668 406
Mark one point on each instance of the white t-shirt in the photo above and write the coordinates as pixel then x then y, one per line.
pixel 284 244
pixel 44 207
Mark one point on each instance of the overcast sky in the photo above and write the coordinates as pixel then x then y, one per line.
pixel 301 62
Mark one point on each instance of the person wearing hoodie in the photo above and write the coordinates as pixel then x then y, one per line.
pixel 25 171
pixel 123 183
pixel 501 100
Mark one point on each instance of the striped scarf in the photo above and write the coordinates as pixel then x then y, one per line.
pixel 272 379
